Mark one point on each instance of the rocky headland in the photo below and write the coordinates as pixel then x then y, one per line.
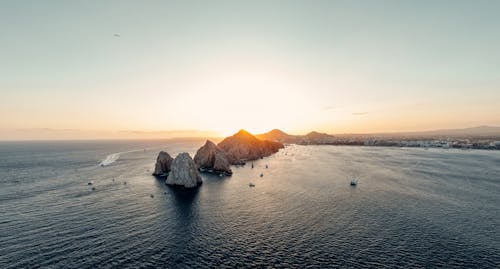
pixel 234 150
pixel 243 146
pixel 210 158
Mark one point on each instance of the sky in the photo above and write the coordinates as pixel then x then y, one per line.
pixel 109 69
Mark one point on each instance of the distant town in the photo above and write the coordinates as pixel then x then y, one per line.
pixel 487 138
pixel 462 143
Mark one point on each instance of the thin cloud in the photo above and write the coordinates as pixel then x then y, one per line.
pixel 46 130
pixel 326 108
pixel 359 113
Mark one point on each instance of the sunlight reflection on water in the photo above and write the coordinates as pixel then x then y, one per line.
pixel 411 208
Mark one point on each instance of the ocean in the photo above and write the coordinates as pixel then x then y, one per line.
pixel 412 208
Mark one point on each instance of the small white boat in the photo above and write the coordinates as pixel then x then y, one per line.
pixel 251 184
pixel 354 182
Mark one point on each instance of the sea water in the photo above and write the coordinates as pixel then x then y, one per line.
pixel 411 208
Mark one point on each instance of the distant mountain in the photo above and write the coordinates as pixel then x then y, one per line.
pixel 472 131
pixel 277 135
pixel 323 138
pixel 310 138
pixel 318 136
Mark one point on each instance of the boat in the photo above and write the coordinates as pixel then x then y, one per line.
pixel 261 174
pixel 152 196
pixel 90 183
pixel 251 184
pixel 354 182
pixel 267 166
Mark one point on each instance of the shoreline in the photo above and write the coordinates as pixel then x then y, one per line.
pixel 392 146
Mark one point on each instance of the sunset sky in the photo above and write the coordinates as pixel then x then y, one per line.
pixel 101 69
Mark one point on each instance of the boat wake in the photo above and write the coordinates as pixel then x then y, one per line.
pixel 111 158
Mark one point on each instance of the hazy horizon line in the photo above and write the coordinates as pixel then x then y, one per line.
pixel 53 134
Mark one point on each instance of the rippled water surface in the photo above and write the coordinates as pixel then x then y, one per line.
pixel 411 208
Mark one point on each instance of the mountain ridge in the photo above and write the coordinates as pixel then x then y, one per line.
pixel 315 137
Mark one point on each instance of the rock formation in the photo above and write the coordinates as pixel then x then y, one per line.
pixel 243 146
pixel 163 163
pixel 212 159
pixel 184 172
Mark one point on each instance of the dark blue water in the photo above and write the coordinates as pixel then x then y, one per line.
pixel 412 208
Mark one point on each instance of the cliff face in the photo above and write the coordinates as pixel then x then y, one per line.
pixel 184 172
pixel 212 158
pixel 243 146
pixel 163 163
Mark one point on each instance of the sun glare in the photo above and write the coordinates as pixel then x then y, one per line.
pixel 259 101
